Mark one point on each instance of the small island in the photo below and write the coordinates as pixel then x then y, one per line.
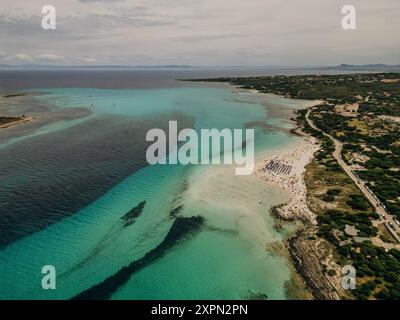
pixel 6 122
pixel 9 121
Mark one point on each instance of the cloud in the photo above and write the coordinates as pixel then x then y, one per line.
pixel 24 57
pixel 49 57
pixel 86 59
pixel 210 37
pixel 256 32
pixel 86 1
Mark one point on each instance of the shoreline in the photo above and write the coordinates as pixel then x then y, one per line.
pixel 16 122
pixel 286 170
pixel 252 229
pixel 307 254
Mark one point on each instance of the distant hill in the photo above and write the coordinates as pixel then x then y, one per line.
pixel 366 67
pixel 344 67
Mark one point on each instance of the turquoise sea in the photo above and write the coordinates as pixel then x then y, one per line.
pixel 81 234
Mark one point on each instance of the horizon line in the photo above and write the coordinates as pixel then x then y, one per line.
pixel 177 66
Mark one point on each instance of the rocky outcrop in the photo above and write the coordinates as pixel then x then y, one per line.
pixel 312 257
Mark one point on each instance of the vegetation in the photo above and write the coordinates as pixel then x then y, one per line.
pixel 371 140
pixel 7 120
pixel 377 94
pixel 358 202
pixel 383 268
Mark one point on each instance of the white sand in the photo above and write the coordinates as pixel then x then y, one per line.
pixel 234 202
pixel 293 182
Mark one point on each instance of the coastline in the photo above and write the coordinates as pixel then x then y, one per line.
pixel 14 123
pixel 310 256
pixel 307 254
pixel 250 214
pixel 294 161
pixel 11 121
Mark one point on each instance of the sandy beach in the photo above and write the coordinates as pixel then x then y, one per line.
pixel 286 170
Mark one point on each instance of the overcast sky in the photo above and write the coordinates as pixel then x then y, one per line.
pixel 200 32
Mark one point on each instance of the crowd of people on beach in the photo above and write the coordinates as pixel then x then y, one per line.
pixel 286 170
pixel 277 167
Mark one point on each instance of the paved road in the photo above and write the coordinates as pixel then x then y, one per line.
pixel 387 219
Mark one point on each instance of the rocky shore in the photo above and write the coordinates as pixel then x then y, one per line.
pixel 311 256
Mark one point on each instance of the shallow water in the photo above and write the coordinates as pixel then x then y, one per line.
pixel 86 240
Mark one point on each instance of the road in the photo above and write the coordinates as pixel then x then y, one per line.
pixel 387 219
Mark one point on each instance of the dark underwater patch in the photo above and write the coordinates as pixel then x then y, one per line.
pixel 131 216
pixel 181 228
